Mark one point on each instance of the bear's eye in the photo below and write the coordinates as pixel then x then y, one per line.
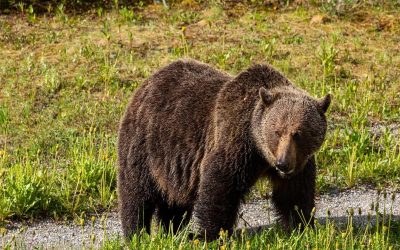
pixel 277 133
pixel 296 135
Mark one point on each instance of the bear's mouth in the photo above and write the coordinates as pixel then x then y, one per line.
pixel 283 174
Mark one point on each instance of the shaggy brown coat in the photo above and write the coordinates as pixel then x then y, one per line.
pixel 196 139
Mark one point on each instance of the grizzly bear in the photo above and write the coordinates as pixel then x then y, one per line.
pixel 194 140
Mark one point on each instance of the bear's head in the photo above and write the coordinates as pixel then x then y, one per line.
pixel 289 127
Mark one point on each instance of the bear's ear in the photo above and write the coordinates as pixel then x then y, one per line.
pixel 266 97
pixel 324 103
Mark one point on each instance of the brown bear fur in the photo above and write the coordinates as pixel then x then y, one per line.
pixel 194 139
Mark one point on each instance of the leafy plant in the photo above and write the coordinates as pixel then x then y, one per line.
pixel 326 54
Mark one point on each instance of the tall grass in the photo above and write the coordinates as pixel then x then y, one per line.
pixel 83 180
pixel 383 233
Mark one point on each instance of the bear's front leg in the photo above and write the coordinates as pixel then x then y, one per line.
pixel 294 198
pixel 218 199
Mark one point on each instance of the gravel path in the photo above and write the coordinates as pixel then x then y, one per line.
pixel 254 215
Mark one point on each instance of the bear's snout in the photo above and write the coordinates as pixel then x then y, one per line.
pixel 283 169
pixel 282 165
pixel 286 156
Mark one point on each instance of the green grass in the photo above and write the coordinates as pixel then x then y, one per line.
pixel 329 235
pixel 83 180
pixel 326 236
pixel 66 79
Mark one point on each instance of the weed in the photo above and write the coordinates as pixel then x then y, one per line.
pixel 31 14
pixel 185 17
pixel 340 7
pixel 129 15
pixel 25 190
pixel 60 13
pixel 327 54
pixel 268 47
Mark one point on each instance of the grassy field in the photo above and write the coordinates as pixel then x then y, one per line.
pixel 327 236
pixel 66 79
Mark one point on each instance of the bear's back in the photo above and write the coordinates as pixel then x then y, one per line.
pixel 182 86
pixel 167 120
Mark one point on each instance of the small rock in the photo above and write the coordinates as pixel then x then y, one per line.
pixel 189 3
pixel 386 23
pixel 318 19
pixel 202 23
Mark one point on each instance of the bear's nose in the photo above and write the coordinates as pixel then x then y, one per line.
pixel 282 165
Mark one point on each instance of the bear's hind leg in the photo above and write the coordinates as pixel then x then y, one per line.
pixel 173 216
pixel 294 198
pixel 136 202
